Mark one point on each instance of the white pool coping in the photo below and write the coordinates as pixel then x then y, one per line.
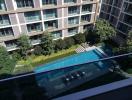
pixel 94 47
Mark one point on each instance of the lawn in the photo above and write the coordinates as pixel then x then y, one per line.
pixel 34 61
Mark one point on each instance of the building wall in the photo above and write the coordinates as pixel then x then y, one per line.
pixel 114 12
pixel 19 24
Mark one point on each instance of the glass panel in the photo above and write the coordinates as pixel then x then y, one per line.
pixel 32 16
pixel 24 3
pixel 4 20
pixel 6 32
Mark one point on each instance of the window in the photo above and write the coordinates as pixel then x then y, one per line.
pixel 87 8
pixel 69 1
pixel 50 13
pixel 2 5
pixel 4 20
pixel 46 2
pixel 57 34
pixel 72 31
pixel 34 27
pixel 24 3
pixel 73 10
pixel 85 18
pixel 51 24
pixel 11 44
pixel 73 20
pixel 32 16
pixel 6 32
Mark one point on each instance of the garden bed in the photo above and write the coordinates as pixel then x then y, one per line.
pixel 35 61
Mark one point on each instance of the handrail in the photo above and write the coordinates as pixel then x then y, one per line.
pixel 97 90
pixel 32 73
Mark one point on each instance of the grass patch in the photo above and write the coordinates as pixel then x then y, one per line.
pixel 34 61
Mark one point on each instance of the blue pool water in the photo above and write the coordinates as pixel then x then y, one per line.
pixel 72 60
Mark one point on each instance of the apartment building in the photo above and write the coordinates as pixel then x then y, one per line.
pixel 62 18
pixel 119 14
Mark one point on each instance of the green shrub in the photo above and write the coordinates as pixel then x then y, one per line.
pixel 92 37
pixel 60 45
pixel 79 38
pixel 35 64
pixel 47 43
pixel 16 56
pixel 69 42
pixel 38 50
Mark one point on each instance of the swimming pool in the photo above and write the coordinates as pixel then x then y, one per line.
pixel 71 71
pixel 72 60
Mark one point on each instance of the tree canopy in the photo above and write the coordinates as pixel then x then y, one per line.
pixel 47 43
pixel 7 63
pixel 104 29
pixel 80 38
pixel 24 44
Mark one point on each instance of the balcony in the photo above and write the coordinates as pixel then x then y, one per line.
pixel 85 1
pixel 87 81
pixel 108 1
pixel 70 1
pixel 36 27
pixel 127 19
pixel 24 3
pixel 6 32
pixel 49 2
pixel 128 8
pixel 87 27
pixel 118 3
pixel 32 16
pixel 4 20
pixel 2 5
pixel 72 31
pixel 85 18
pixel 35 41
pixel 86 8
pixel 50 14
pixel 11 45
pixel 73 21
pixel 50 25
pixel 56 34
pixel 73 10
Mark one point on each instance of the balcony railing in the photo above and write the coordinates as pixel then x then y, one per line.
pixel 56 35
pixel 32 18
pixel 34 42
pixel 4 23
pixel 49 2
pixel 70 1
pixel 11 47
pixel 46 84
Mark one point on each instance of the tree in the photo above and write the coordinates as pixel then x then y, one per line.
pixel 69 42
pixel 92 37
pixel 7 64
pixel 16 56
pixel 104 29
pixel 79 38
pixel 47 43
pixel 24 44
pixel 38 50
pixel 60 45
